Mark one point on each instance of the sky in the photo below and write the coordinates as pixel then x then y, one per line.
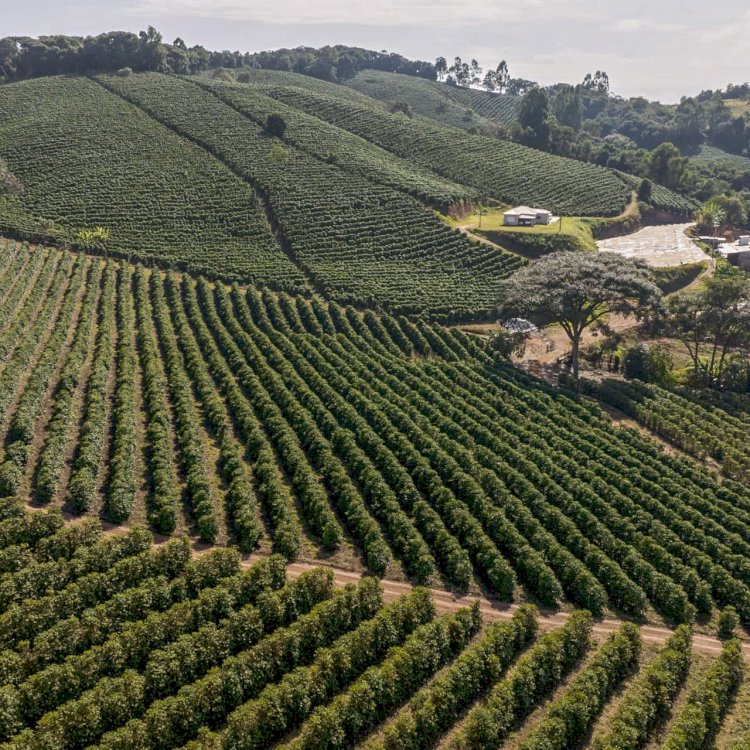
pixel 661 49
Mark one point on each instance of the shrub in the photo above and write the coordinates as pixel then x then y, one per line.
pixel 728 622
pixel 276 125
pixel 652 364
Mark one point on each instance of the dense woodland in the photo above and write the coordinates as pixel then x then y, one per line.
pixel 24 57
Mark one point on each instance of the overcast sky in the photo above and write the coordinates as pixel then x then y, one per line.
pixel 661 49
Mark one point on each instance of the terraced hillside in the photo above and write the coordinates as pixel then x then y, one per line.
pixel 183 172
pixel 109 642
pixel 386 445
pixel 342 232
pixel 711 156
pixel 345 150
pixel 455 106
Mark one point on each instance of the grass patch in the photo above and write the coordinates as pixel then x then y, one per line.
pixel 569 233
pixel 674 278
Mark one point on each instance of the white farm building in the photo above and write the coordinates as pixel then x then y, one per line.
pixel 523 216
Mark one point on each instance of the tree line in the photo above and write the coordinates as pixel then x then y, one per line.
pixel 27 57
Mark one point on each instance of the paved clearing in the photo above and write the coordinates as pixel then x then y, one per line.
pixel 666 245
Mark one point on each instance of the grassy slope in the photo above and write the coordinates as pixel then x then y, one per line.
pixel 571 226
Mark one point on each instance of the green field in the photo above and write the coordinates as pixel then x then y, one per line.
pixel 174 652
pixel 703 424
pixel 498 169
pixel 713 156
pixel 261 488
pixel 450 105
pixel 389 445
pixel 87 158
pixel 344 150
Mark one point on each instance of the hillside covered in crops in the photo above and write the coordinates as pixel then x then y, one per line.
pixel 184 172
pixel 157 428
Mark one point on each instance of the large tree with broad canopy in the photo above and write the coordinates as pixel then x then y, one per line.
pixel 576 290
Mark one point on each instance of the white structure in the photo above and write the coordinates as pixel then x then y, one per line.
pixel 523 216
pixel 519 325
pixel 737 254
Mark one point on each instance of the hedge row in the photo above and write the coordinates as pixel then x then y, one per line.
pixel 435 708
pixel 570 717
pixel 648 701
pixel 536 674
pixel 700 715
pixel 165 489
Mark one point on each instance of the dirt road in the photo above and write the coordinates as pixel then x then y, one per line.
pixel 445 601
pixel 493 611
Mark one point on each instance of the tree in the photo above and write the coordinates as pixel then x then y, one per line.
pixel 652 364
pixel 689 123
pixel 728 622
pixel 712 322
pixel 276 125
pixel 153 53
pixel 645 190
pixel 666 166
pixel 460 72
pixel 533 117
pixel 519 86
pixel 599 82
pixel 489 83
pixel 567 107
pixel 497 80
pixel 721 210
pixel 506 343
pixel 441 68
pixel 711 216
pixel 577 290
pixel 502 76
pixel 401 107
pixel 476 73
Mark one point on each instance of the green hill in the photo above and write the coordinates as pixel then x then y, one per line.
pixel 183 172
pixel 497 169
pixel 88 158
pixel 358 241
pixel 450 105
pixel 711 155
pixel 343 149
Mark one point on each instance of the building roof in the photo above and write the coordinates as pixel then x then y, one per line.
pixel 733 250
pixel 526 211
